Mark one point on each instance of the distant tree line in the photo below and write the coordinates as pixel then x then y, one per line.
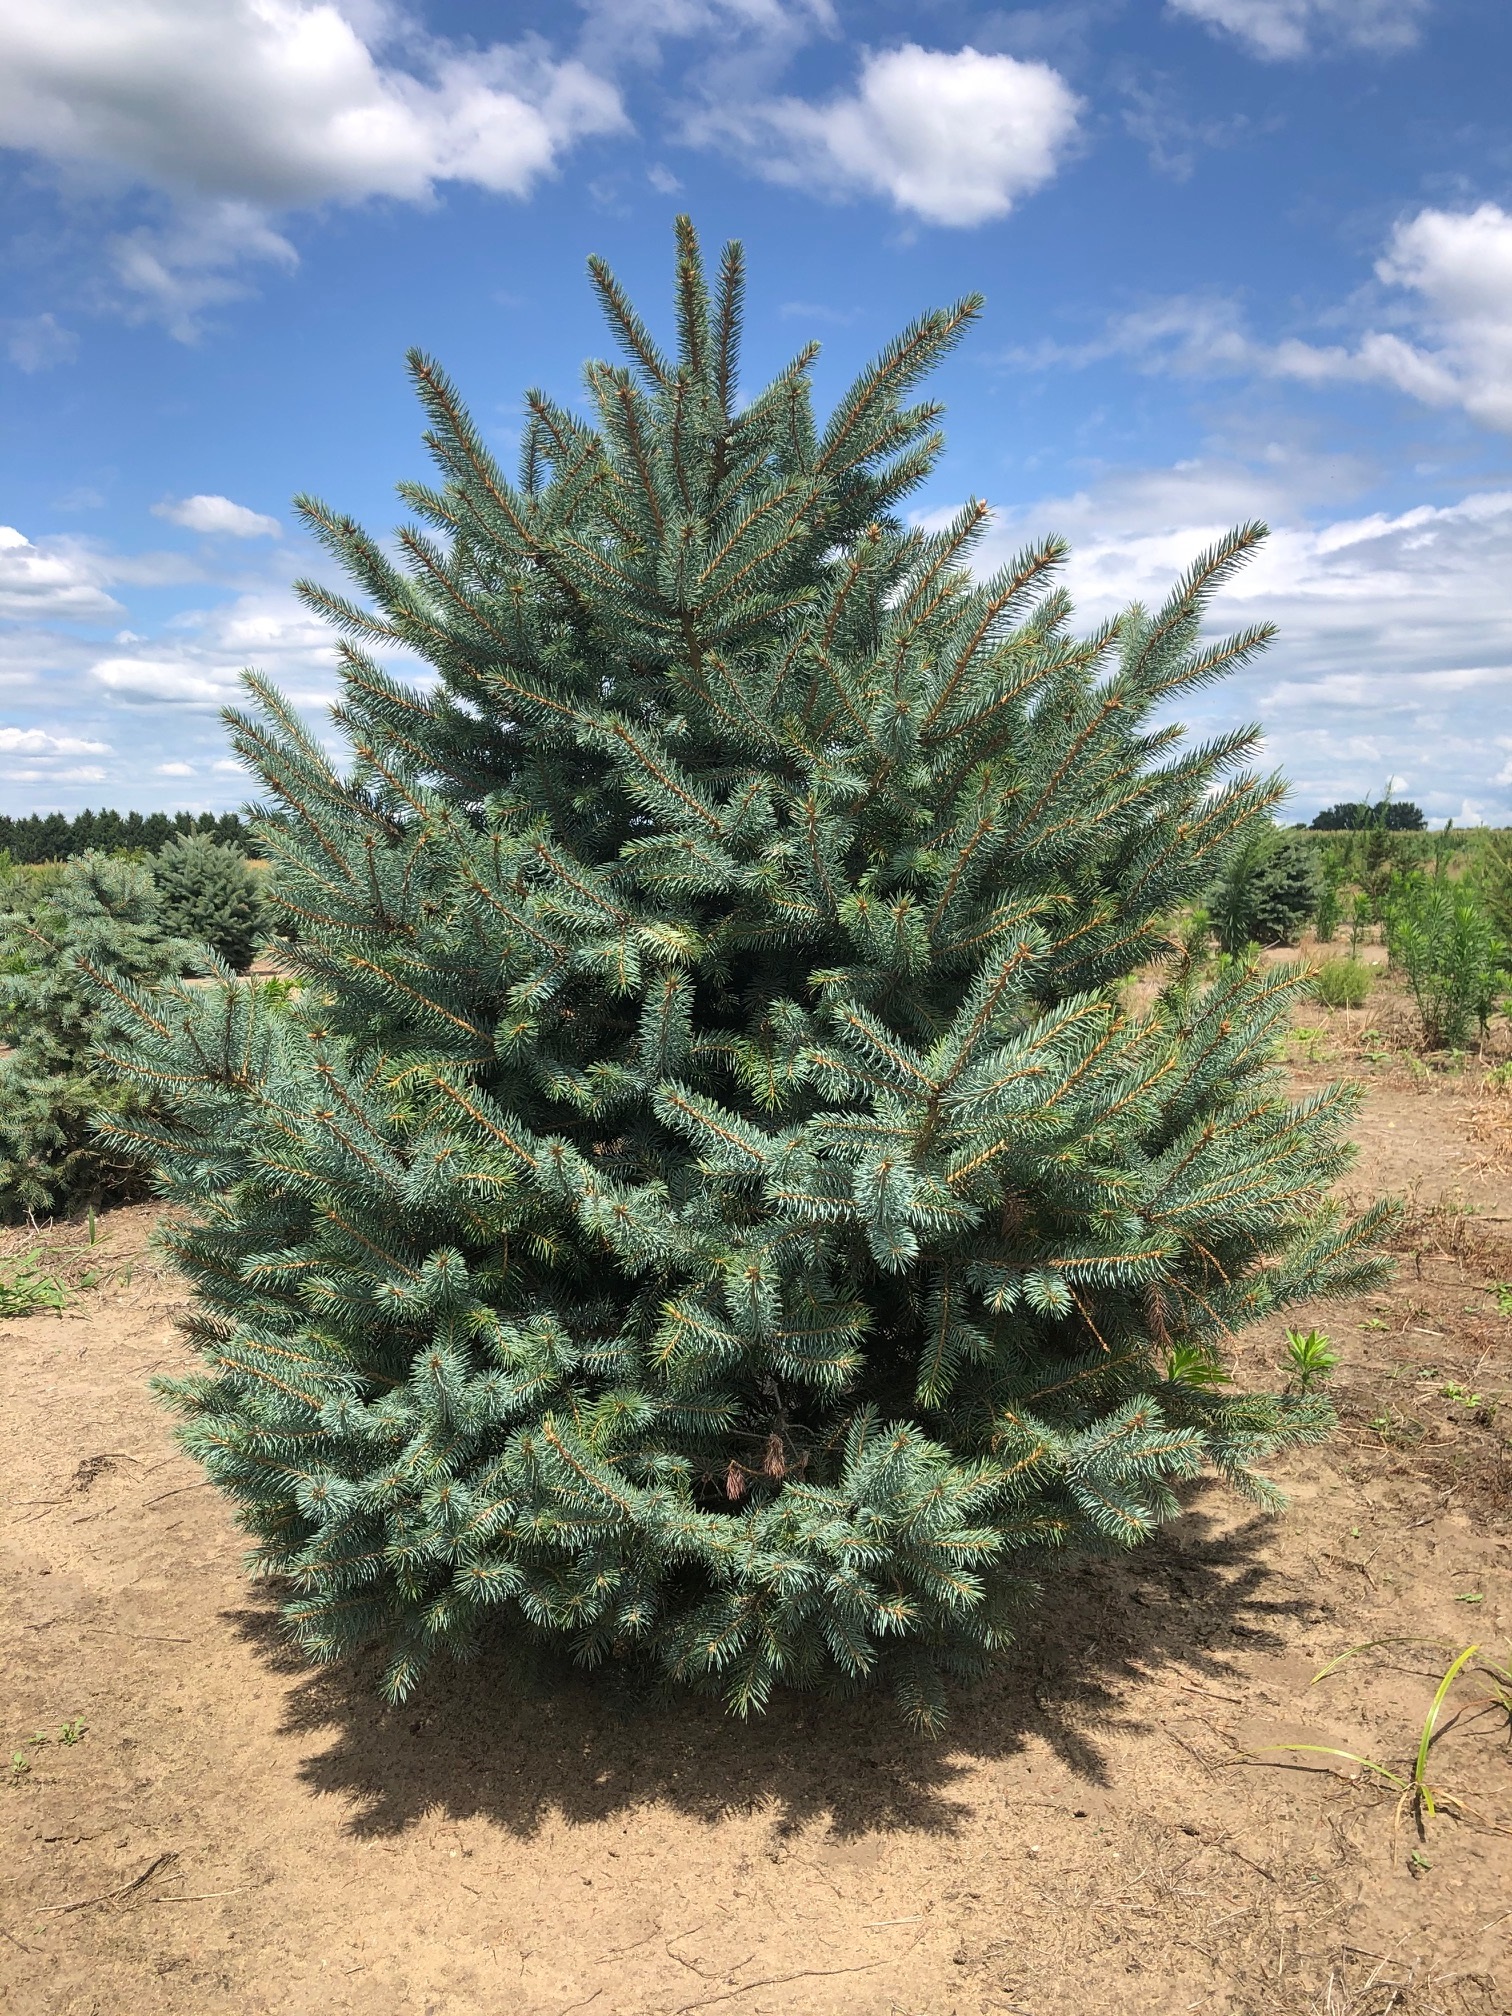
pixel 50 836
pixel 1397 815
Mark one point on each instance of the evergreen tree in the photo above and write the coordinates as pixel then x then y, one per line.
pixel 1267 893
pixel 708 1204
pixel 207 893
pixel 104 913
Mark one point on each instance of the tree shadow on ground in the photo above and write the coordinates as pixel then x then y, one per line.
pixel 521 1743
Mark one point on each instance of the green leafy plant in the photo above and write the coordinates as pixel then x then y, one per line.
pixel 1462 1394
pixel 207 893
pixel 1454 963
pixel 23 1289
pixel 1195 1365
pixel 710 1205
pixel 1310 1358
pixel 1342 983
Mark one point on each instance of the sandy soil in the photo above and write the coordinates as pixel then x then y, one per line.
pixel 1096 1834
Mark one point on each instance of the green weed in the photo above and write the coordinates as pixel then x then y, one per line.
pixel 1191 1365
pixel 1415 1793
pixel 1342 983
pixel 1310 1358
pixel 25 1290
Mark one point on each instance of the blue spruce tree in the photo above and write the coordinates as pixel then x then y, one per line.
pixel 709 1203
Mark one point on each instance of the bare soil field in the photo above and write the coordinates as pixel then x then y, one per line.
pixel 1101 1832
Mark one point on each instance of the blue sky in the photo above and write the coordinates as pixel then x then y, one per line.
pixel 1241 257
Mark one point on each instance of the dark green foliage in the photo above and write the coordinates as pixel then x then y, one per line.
pixel 1267 893
pixel 207 893
pixel 1492 881
pixel 707 1205
pixel 104 912
pixel 52 836
pixel 1394 815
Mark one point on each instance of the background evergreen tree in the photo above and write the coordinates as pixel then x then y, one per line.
pixel 707 1205
pixel 206 892
pixel 1268 891
pixel 106 913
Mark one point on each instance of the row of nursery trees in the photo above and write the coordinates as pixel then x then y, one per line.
pixel 192 909
pixel 709 1204
pixel 1441 903
pixel 53 836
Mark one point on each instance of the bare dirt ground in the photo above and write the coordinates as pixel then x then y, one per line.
pixel 1095 1835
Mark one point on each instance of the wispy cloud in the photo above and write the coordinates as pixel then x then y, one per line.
pixel 199 661
pixel 39 343
pixel 1446 278
pixel 218 516
pixel 67 580
pixel 1395 646
pixel 1285 30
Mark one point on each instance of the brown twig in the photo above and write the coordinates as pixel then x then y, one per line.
pixel 199 1896
pixel 803 1974
pixel 109 1896
pixel 147 1637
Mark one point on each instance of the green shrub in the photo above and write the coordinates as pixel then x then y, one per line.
pixel 1267 893
pixel 1439 937
pixel 207 893
pixel 706 1206
pixel 105 912
pixel 1333 872
pixel 1342 983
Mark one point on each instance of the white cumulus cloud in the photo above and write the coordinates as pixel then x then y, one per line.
pixel 1287 29
pixel 952 138
pixel 218 516
pixel 1458 265
pixel 237 110
pixel 283 102
pixel 59 579
pixel 38 742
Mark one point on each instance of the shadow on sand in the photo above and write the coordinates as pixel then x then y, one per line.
pixel 520 1743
